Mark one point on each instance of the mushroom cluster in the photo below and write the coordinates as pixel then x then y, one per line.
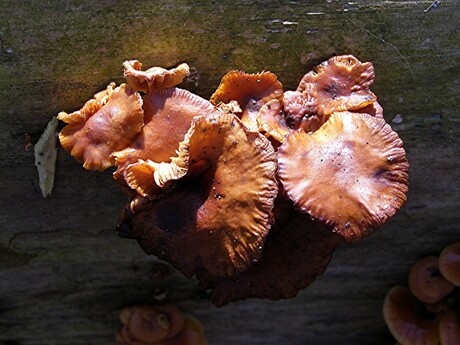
pixel 158 325
pixel 252 190
pixel 428 312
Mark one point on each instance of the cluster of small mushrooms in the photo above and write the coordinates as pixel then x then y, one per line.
pixel 158 325
pixel 252 190
pixel 428 312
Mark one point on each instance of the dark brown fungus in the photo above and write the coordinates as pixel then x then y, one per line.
pixel 218 221
pixel 351 174
pixel 295 253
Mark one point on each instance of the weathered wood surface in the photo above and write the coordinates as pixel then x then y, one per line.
pixel 64 273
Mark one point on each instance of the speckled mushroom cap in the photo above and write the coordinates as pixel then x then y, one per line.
pixel 105 124
pixel 271 121
pixel 218 221
pixel 296 251
pixel 426 281
pixel 155 77
pixel 168 116
pixel 449 263
pixel 400 314
pixel 351 174
pixel 342 83
pixel 251 91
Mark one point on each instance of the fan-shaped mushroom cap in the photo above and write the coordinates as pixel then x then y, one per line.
pixel 449 328
pixel 107 124
pixel 408 328
pixel 342 83
pixel 294 254
pixel 218 221
pixel 251 91
pixel 168 116
pixel 154 78
pixel 426 281
pixel 449 263
pixel 149 324
pixel 351 174
pixel 270 120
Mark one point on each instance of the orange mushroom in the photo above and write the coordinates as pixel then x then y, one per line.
pixel 449 263
pixel 301 108
pixel 426 281
pixel 342 83
pixel 154 78
pixel 105 124
pixel 158 325
pixel 351 174
pixel 251 91
pixel 403 321
pixel 168 116
pixel 271 121
pixel 296 251
pixel 217 220
pixel 449 328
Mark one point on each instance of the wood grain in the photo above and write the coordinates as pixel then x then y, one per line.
pixel 64 273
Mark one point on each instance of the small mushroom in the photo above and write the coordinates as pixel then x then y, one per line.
pixel 351 174
pixel 296 251
pixel 426 281
pixel 449 328
pixel 154 78
pixel 342 83
pixel 168 116
pixel 106 124
pixel 271 121
pixel 403 321
pixel 251 91
pixel 449 263
pixel 149 324
pixel 301 109
pixel 216 220
pixel 158 325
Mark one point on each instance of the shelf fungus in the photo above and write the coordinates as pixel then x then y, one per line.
pixel 158 325
pixel 251 190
